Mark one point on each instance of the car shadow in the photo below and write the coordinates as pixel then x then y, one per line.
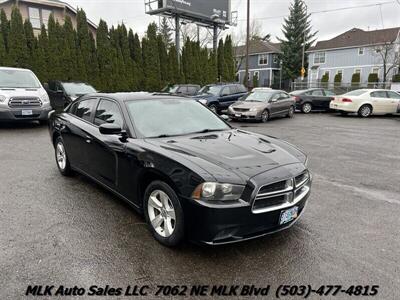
pixel 20 125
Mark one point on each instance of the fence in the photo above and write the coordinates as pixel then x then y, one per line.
pixel 339 88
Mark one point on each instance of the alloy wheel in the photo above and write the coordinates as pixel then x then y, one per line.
pixel 291 112
pixel 307 108
pixel 265 117
pixel 61 156
pixel 365 111
pixel 161 213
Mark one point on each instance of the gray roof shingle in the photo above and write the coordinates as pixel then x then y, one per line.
pixel 258 46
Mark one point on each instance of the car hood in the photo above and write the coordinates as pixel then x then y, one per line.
pixel 248 105
pixel 20 92
pixel 235 151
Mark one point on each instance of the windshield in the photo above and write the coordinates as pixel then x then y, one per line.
pixel 213 90
pixel 72 88
pixel 356 93
pixel 18 79
pixel 259 96
pixel 166 117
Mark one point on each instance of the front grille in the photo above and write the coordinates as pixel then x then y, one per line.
pixel 241 109
pixel 281 194
pixel 24 102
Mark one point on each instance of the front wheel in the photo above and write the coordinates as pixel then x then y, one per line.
pixel 306 108
pixel 61 158
pixel 291 112
pixel 365 111
pixel 265 116
pixel 164 214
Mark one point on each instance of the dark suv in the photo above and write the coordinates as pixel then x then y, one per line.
pixel 220 96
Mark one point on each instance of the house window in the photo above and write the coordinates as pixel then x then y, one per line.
pixel 263 59
pixel 34 17
pixel 319 58
pixel 375 71
pixel 39 17
pixel 360 51
pixel 45 17
pixel 276 59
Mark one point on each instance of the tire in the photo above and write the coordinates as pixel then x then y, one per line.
pixel 365 111
pixel 265 116
pixel 213 108
pixel 306 108
pixel 61 158
pixel 163 213
pixel 291 112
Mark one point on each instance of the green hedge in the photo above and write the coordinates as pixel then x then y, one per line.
pixel 338 79
pixel 372 80
pixel 325 80
pixel 396 78
pixel 356 79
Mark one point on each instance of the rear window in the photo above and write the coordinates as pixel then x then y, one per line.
pixel 356 93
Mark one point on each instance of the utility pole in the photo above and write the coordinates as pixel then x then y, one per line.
pixel 247 44
pixel 178 37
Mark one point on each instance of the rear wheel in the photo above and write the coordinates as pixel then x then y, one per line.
pixel 61 158
pixel 265 116
pixel 365 111
pixel 306 108
pixel 291 112
pixel 164 214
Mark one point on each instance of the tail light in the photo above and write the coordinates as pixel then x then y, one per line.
pixel 347 100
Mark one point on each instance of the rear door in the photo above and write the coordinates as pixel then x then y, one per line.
pixel 318 99
pixel 394 101
pixel 275 105
pixel 105 151
pixel 227 96
pixel 75 132
pixel 286 101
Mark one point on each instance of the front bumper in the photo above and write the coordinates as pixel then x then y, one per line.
pixel 249 115
pixel 15 115
pixel 216 225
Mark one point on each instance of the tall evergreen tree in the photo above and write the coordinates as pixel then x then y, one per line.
pixel 4 27
pixel 163 57
pixel 165 31
pixel 31 42
pixel 40 60
pixel 3 53
pixel 151 60
pixel 173 66
pixel 69 50
pixel 229 72
pixel 221 60
pixel 129 65
pixel 297 31
pixel 18 50
pixel 83 44
pixel 55 50
pixel 105 55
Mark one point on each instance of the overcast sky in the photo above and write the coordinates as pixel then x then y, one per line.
pixel 268 12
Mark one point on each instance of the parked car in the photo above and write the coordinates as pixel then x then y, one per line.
pixel 189 172
pixel 367 102
pixel 182 89
pixel 62 93
pixel 220 96
pixel 262 105
pixel 313 99
pixel 22 97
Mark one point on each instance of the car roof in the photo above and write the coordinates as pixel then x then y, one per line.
pixel 15 69
pixel 123 97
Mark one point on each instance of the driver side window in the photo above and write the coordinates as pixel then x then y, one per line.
pixel 225 92
pixel 108 112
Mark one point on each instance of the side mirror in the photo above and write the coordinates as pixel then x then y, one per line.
pixel 274 100
pixel 110 129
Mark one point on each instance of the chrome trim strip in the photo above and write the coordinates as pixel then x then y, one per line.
pixel 302 182
pixel 276 193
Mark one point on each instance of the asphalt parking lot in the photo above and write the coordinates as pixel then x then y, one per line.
pixel 69 231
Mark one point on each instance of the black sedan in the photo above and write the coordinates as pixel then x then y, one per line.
pixel 189 172
pixel 313 99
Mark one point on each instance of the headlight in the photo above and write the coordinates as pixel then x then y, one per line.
pixel 45 98
pixel 2 98
pixel 253 109
pixel 203 101
pixel 213 191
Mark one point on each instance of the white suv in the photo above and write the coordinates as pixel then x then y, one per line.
pixel 22 97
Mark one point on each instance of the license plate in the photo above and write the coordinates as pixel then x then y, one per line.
pixel 27 113
pixel 238 115
pixel 289 215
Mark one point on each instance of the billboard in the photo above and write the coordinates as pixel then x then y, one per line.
pixel 202 11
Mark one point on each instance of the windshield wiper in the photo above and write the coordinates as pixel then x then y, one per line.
pixel 208 130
